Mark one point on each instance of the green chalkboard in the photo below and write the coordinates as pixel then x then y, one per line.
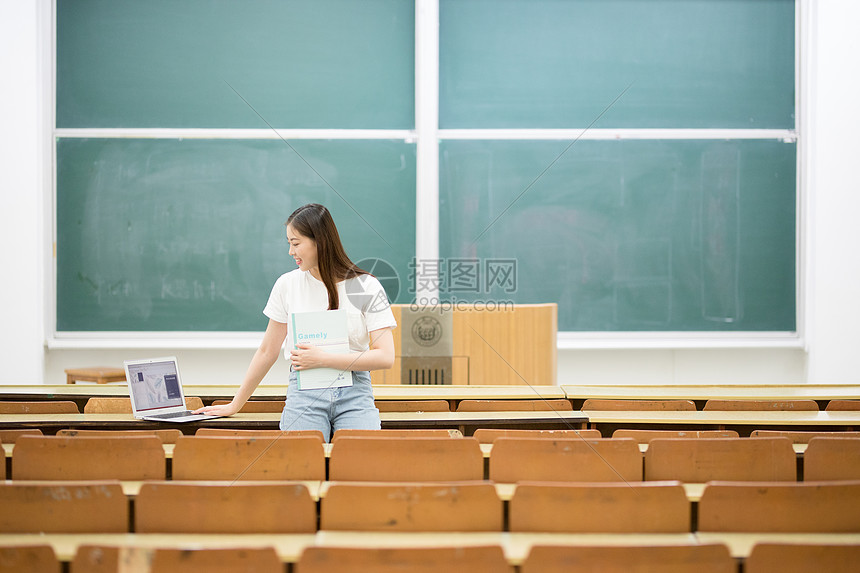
pixel 167 63
pixel 560 63
pixel 626 235
pixel 629 235
pixel 188 235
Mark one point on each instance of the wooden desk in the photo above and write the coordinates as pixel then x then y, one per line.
pixel 288 546
pixel 461 392
pixel 579 393
pixel 80 393
pixel 506 491
pixel 724 384
pixel 319 489
pixel 380 391
pixel 486 449
pixel 798 449
pixel 516 546
pixel 50 423
pixel 208 393
pixel 606 421
pixel 740 544
pixel 99 375
pixel 744 422
pixel 466 422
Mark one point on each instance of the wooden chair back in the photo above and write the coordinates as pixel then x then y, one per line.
pixel 11 436
pixel 413 405
pixel 29 559
pixel 411 507
pixel 780 507
pixel 558 405
pixel 696 460
pixel 414 560
pixel 122 405
pixel 256 406
pixel 798 437
pixel 173 507
pixel 103 558
pixel 39 407
pixel 166 435
pixel 569 459
pixel 653 405
pixel 357 458
pixel 832 459
pixel 633 507
pixel 81 458
pixel 232 560
pixel 237 458
pixel 762 405
pixel 489 435
pixel 117 559
pixel 236 433
pixel 796 558
pixel 842 405
pixel 628 559
pixel 645 436
pixel 404 433
pixel 70 507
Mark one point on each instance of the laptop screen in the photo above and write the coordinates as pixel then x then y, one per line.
pixel 155 385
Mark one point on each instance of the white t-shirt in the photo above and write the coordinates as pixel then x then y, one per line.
pixel 364 299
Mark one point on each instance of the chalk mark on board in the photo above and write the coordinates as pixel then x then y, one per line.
pixel 324 180
pixel 554 161
pixel 721 239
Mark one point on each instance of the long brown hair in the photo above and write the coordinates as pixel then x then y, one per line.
pixel 314 221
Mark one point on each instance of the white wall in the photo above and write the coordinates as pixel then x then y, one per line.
pixel 835 195
pixel 21 169
pixel 686 366
pixel 834 213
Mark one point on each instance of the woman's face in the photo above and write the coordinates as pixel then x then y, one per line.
pixel 302 249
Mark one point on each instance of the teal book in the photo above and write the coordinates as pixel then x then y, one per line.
pixel 325 329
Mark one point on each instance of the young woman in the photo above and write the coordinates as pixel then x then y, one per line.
pixel 325 280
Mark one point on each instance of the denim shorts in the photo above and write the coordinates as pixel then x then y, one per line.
pixel 331 409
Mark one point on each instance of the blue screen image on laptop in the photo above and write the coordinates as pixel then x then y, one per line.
pixel 156 386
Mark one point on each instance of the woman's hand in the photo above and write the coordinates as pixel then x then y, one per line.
pixel 307 356
pixel 221 410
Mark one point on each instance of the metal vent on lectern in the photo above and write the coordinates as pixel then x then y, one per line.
pixel 426 370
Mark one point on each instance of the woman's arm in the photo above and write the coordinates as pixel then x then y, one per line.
pixel 379 357
pixel 264 358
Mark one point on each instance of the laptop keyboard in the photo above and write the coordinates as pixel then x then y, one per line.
pixel 171 415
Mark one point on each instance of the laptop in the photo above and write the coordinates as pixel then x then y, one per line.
pixel 156 392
